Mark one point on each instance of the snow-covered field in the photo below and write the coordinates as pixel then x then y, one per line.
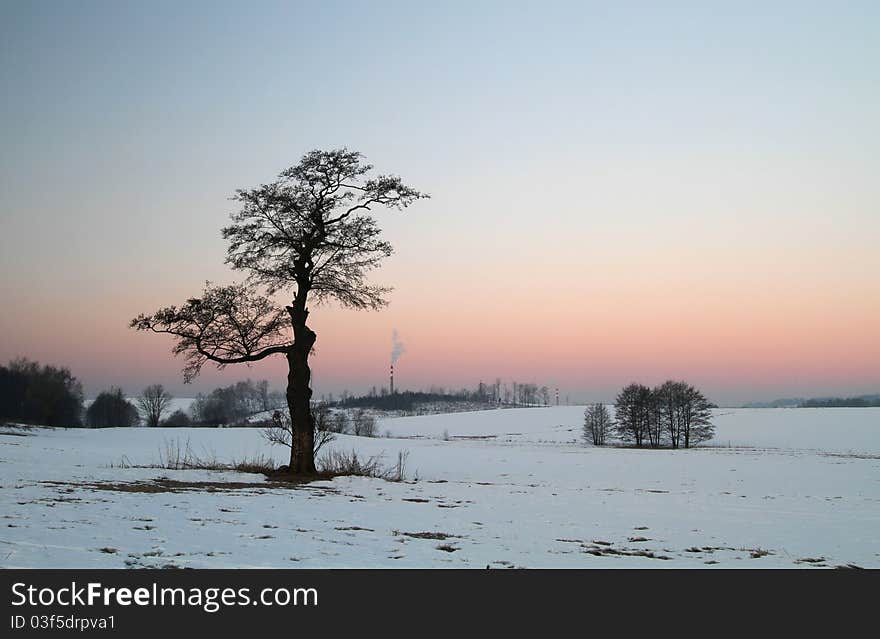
pixel 776 488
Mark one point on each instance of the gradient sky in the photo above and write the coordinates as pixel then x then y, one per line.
pixel 620 191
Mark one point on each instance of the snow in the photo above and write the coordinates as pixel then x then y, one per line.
pixel 512 487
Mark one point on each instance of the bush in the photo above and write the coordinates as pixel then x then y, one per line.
pixel 178 418
pixel 338 422
pixel 43 395
pixel 110 410
pixel 339 463
pixel 280 428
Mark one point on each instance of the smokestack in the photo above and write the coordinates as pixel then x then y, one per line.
pixel 392 379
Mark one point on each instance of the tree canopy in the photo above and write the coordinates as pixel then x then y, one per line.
pixel 308 233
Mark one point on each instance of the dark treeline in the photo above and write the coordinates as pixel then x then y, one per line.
pixel 673 414
pixel 35 394
pixel 405 401
pixel 31 393
pixel 495 394
pixel 863 401
pixel 859 401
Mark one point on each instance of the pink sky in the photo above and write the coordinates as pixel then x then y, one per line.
pixel 675 192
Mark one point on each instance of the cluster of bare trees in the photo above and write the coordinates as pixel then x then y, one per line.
pixel 234 404
pixel 673 414
pixel 514 394
pixel 527 394
pixel 328 424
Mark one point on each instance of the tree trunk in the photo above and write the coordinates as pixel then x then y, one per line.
pixel 299 393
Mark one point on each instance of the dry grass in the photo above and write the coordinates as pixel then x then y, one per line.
pixel 177 456
pixel 441 536
pixel 598 549
pixel 164 485
pixel 340 464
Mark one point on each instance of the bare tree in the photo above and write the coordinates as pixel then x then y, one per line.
pixel 631 413
pixel 309 233
pixel 697 423
pixel 669 397
pixel 263 394
pixel 153 402
pixel 363 423
pixel 684 413
pixel 339 422
pixel 597 424
pixel 654 428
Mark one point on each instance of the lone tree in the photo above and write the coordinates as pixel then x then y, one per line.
pixel 153 402
pixel 597 424
pixel 309 233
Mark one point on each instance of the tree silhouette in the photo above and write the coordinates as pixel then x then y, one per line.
pixel 112 410
pixel 153 402
pixel 310 233
pixel 632 413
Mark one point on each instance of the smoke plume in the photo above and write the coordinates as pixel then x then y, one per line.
pixel 397 348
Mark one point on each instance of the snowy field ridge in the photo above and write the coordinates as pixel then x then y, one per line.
pixel 502 488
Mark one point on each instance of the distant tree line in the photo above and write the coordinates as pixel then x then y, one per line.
pixel 863 401
pixel 673 414
pixel 233 405
pixel 402 401
pixel 859 401
pixel 31 393
pixel 35 394
pixel 496 394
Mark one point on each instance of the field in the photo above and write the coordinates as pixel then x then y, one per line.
pixel 504 488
